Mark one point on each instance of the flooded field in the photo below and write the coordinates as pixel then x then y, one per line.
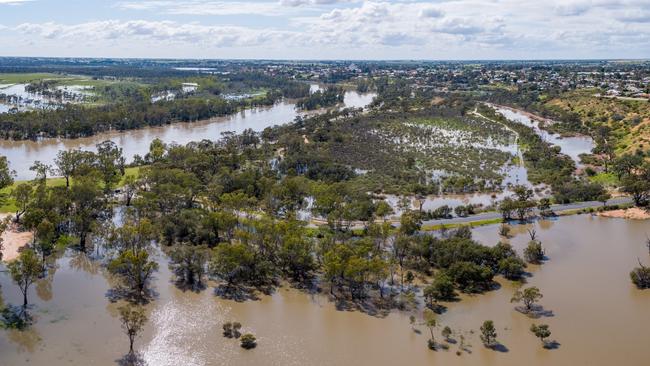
pixel 22 154
pixel 585 285
pixel 571 146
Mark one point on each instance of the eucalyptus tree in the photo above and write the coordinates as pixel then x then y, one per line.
pixel 24 271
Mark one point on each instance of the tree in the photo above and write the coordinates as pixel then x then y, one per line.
pixel 22 195
pixel 447 332
pixel 135 269
pixel 528 296
pixel 231 262
pixel 534 253
pixel 248 341
pixel 488 333
pixel 41 170
pixel 441 289
pixel 87 205
pixel 189 264
pixel 430 322
pixel 45 238
pixel 541 331
pixel 110 163
pixel 231 329
pixel 130 187
pixel 25 270
pixel 66 162
pixel 410 222
pixel 133 320
pixel 640 276
pixel 512 267
pixel 6 174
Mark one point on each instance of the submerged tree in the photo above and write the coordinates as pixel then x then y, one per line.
pixel 528 296
pixel 25 270
pixel 248 341
pixel 640 276
pixel 488 333
pixel 133 320
pixel 541 331
pixel 534 252
pixel 430 322
pixel 189 264
pixel 135 269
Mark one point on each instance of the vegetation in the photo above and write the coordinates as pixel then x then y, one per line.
pixel 528 296
pixel 488 334
pixel 133 320
pixel 541 331
pixel 248 341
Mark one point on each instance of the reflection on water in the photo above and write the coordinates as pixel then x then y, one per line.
pixel 22 154
pixel 599 317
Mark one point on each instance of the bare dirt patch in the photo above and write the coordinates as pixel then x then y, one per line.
pixel 634 213
pixel 13 240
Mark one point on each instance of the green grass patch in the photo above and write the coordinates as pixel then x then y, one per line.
pixel 606 179
pixel 457 225
pixel 7 204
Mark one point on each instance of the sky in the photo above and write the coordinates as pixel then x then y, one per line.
pixel 327 29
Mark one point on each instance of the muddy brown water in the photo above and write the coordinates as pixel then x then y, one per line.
pixel 22 154
pixel 599 317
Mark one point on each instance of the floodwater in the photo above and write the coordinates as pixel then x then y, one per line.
pixel 22 154
pixel 571 146
pixel 599 317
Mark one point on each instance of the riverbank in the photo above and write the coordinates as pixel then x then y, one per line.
pixel 633 213
pixel 13 239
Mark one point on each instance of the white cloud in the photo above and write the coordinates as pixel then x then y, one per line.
pixel 198 7
pixel 13 2
pixel 356 29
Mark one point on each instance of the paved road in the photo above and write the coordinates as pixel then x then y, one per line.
pixel 557 208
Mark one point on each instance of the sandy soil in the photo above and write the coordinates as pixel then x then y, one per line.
pixel 13 240
pixel 634 213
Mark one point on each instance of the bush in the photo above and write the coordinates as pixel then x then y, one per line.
pixel 248 341
pixel 534 253
pixel 640 276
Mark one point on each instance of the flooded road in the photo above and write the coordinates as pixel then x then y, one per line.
pixel 599 317
pixel 22 154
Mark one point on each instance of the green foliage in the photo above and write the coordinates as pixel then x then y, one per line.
pixel 135 269
pixel 640 276
pixel 133 320
pixel 540 331
pixel 488 333
pixel 534 252
pixel 25 270
pixel 528 296
pixel 248 341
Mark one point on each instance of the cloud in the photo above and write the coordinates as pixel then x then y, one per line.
pixel 296 3
pixel 352 29
pixel 198 7
pixel 13 2
pixel 431 13
pixel 155 31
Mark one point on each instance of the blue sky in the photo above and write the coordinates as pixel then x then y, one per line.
pixel 327 29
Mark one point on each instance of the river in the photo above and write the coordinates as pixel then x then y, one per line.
pixel 599 317
pixel 22 154
pixel 572 146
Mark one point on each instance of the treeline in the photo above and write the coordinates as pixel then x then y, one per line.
pixel 131 108
pixel 322 98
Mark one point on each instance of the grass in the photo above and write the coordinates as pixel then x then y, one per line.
pixel 606 179
pixel 20 78
pixel 436 227
pixel 7 204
